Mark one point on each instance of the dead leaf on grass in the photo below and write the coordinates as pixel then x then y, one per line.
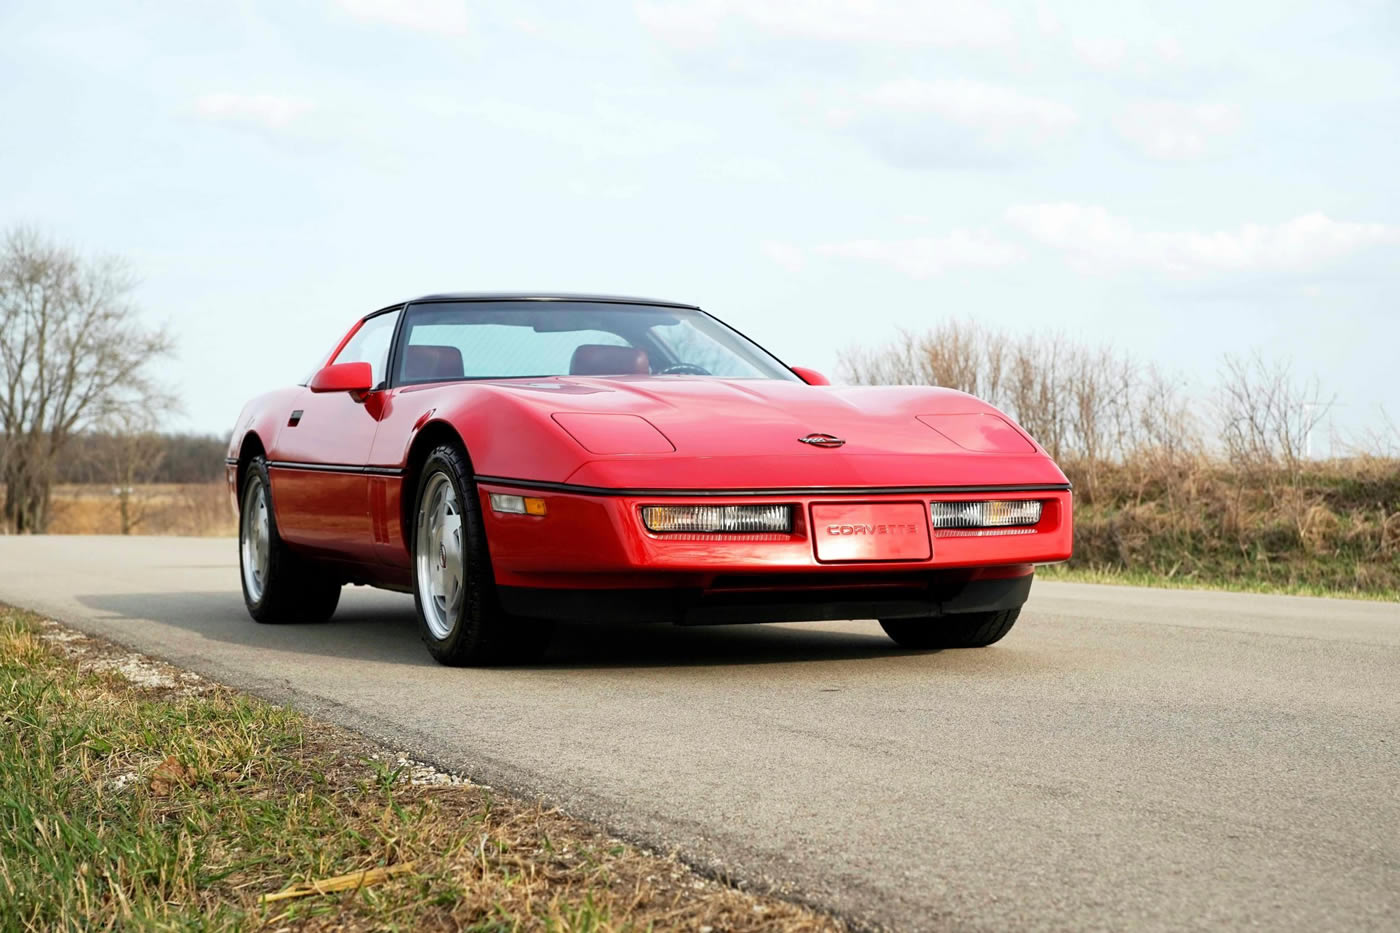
pixel 169 774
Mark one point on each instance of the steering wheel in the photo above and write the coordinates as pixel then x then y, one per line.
pixel 684 369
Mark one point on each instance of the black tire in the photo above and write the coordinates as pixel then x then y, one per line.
pixel 292 589
pixel 967 630
pixel 480 632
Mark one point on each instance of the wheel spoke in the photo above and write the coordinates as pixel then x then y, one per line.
pixel 452 539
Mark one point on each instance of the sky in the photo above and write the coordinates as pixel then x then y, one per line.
pixel 1177 180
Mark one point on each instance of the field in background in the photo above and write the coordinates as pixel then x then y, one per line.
pixel 1331 526
pixel 198 509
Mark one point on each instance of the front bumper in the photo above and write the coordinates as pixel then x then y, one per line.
pixel 589 542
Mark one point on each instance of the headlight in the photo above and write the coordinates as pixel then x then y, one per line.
pixel 711 519
pixel 990 514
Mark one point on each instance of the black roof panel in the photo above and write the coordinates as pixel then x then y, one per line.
pixel 549 296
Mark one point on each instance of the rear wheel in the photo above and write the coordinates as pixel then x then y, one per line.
pixel 965 630
pixel 278 587
pixel 454 588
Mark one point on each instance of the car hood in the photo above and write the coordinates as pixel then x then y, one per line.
pixel 746 434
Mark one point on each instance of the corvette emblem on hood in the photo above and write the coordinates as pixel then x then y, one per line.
pixel 822 440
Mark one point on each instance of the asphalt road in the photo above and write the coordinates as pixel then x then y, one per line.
pixel 1126 758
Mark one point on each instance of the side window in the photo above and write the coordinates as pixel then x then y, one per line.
pixel 371 345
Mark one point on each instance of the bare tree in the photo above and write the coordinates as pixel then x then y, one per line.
pixel 1091 405
pixel 1267 415
pixel 127 455
pixel 960 355
pixel 1030 378
pixel 896 363
pixel 73 351
pixel 1099 393
pixel 1037 394
pixel 1380 438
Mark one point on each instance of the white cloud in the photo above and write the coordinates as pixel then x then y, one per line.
pixel 747 169
pixel 1139 55
pixel 604 131
pixel 926 257
pixel 1165 129
pixel 791 257
pixel 444 17
pixel 1046 19
pixel 268 110
pixel 929 123
pixel 945 23
pixel 1168 49
pixel 973 104
pixel 1105 53
pixel 1096 241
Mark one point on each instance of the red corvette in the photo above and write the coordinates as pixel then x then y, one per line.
pixel 517 459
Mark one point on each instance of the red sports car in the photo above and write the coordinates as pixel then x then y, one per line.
pixel 517 459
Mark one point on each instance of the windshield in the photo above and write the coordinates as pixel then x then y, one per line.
pixel 443 341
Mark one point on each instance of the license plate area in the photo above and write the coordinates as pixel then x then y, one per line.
pixel 871 531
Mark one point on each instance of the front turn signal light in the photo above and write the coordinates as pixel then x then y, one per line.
pixel 518 505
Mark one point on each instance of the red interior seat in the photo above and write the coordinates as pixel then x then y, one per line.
pixel 431 363
pixel 600 359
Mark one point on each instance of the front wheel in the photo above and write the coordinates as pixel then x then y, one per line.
pixel 277 586
pixel 454 588
pixel 965 630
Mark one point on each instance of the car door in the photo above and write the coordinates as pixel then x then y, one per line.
pixel 320 490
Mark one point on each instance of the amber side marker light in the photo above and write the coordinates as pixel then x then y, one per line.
pixel 517 505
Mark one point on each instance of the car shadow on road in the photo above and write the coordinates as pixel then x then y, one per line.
pixel 379 631
pixel 382 627
pixel 615 646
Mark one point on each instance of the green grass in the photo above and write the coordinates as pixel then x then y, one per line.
pixel 1073 574
pixel 262 798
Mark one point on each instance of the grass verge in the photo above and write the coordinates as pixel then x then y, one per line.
pixel 132 794
pixel 1073 574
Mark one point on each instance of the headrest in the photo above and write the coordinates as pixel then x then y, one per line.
pixel 428 363
pixel 600 359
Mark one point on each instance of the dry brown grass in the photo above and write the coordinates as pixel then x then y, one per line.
pixel 1331 525
pixel 195 509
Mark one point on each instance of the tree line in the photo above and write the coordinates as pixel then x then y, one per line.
pixel 179 458
pixel 76 360
pixel 1094 404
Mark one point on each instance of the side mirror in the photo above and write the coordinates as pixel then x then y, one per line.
pixel 811 376
pixel 344 377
